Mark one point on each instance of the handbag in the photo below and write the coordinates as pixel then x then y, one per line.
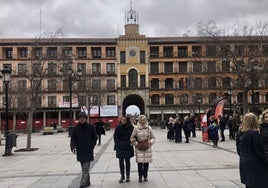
pixel 143 145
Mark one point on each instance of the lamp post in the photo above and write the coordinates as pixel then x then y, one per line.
pixel 254 71
pixel 6 72
pixel 72 78
pixel 199 99
pixel 230 101
pixel 235 105
pixel 253 101
pixel 183 100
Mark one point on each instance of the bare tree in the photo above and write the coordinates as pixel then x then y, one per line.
pixel 29 97
pixel 247 58
pixel 83 92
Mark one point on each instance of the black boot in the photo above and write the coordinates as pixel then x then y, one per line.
pixel 127 179
pixel 121 179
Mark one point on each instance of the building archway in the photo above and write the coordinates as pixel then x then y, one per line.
pixel 133 99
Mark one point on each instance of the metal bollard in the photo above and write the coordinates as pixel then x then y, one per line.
pixel 13 139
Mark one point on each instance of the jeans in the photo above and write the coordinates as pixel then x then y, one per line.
pixel 99 137
pixel 143 169
pixel 85 180
pixel 122 166
pixel 222 135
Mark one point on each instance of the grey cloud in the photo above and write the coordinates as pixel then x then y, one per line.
pixel 105 18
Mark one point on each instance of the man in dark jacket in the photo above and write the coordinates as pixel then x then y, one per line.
pixel 123 146
pixel 187 128
pixel 99 126
pixel 177 129
pixel 83 141
pixel 222 124
pixel 235 125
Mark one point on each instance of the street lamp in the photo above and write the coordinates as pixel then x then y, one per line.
pixel 183 100
pixel 235 106
pixel 254 68
pixel 6 72
pixel 199 100
pixel 72 78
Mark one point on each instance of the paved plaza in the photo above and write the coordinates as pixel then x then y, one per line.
pixel 175 165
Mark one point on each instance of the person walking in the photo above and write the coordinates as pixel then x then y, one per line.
pixel 83 141
pixel 177 129
pixel 229 122
pixel 193 126
pixel 170 127
pixel 143 138
pixel 186 128
pixel 99 126
pixel 213 129
pixel 235 123
pixel 264 133
pixel 222 124
pixel 252 166
pixel 124 148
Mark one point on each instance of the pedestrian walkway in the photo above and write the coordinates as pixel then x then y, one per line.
pixel 175 165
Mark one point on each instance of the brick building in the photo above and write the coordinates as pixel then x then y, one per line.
pixel 162 76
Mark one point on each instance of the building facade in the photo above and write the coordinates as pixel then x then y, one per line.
pixel 162 76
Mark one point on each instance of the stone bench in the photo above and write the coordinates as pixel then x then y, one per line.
pixel 48 130
pixel 60 129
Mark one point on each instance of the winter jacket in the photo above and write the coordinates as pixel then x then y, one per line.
pixel 253 170
pixel 141 133
pixel 235 123
pixel 83 139
pixel 99 126
pixel 187 126
pixel 223 122
pixel 123 146
pixel 264 138
pixel 213 130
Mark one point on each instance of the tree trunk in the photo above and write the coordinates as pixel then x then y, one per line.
pixel 14 121
pixel 29 129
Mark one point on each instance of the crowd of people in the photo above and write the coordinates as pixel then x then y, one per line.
pixel 177 125
pixel 135 138
pixel 250 135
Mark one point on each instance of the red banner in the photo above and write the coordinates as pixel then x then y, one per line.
pixel 219 108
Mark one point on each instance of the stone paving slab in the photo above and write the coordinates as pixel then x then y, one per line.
pixel 175 165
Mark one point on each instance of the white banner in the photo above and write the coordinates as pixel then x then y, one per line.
pixel 94 111
pixel 109 110
pixel 67 104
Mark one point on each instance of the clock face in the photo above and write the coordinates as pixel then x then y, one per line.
pixel 132 53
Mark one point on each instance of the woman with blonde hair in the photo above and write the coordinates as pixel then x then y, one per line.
pixel 143 138
pixel 252 167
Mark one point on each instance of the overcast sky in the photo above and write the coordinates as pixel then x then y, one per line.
pixel 106 18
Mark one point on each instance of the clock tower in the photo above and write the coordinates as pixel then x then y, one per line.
pixel 131 22
pixel 132 64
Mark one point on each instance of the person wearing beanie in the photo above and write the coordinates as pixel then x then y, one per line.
pixel 83 141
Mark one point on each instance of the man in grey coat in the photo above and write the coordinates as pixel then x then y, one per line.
pixel 83 141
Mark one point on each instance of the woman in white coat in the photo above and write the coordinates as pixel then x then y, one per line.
pixel 142 133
